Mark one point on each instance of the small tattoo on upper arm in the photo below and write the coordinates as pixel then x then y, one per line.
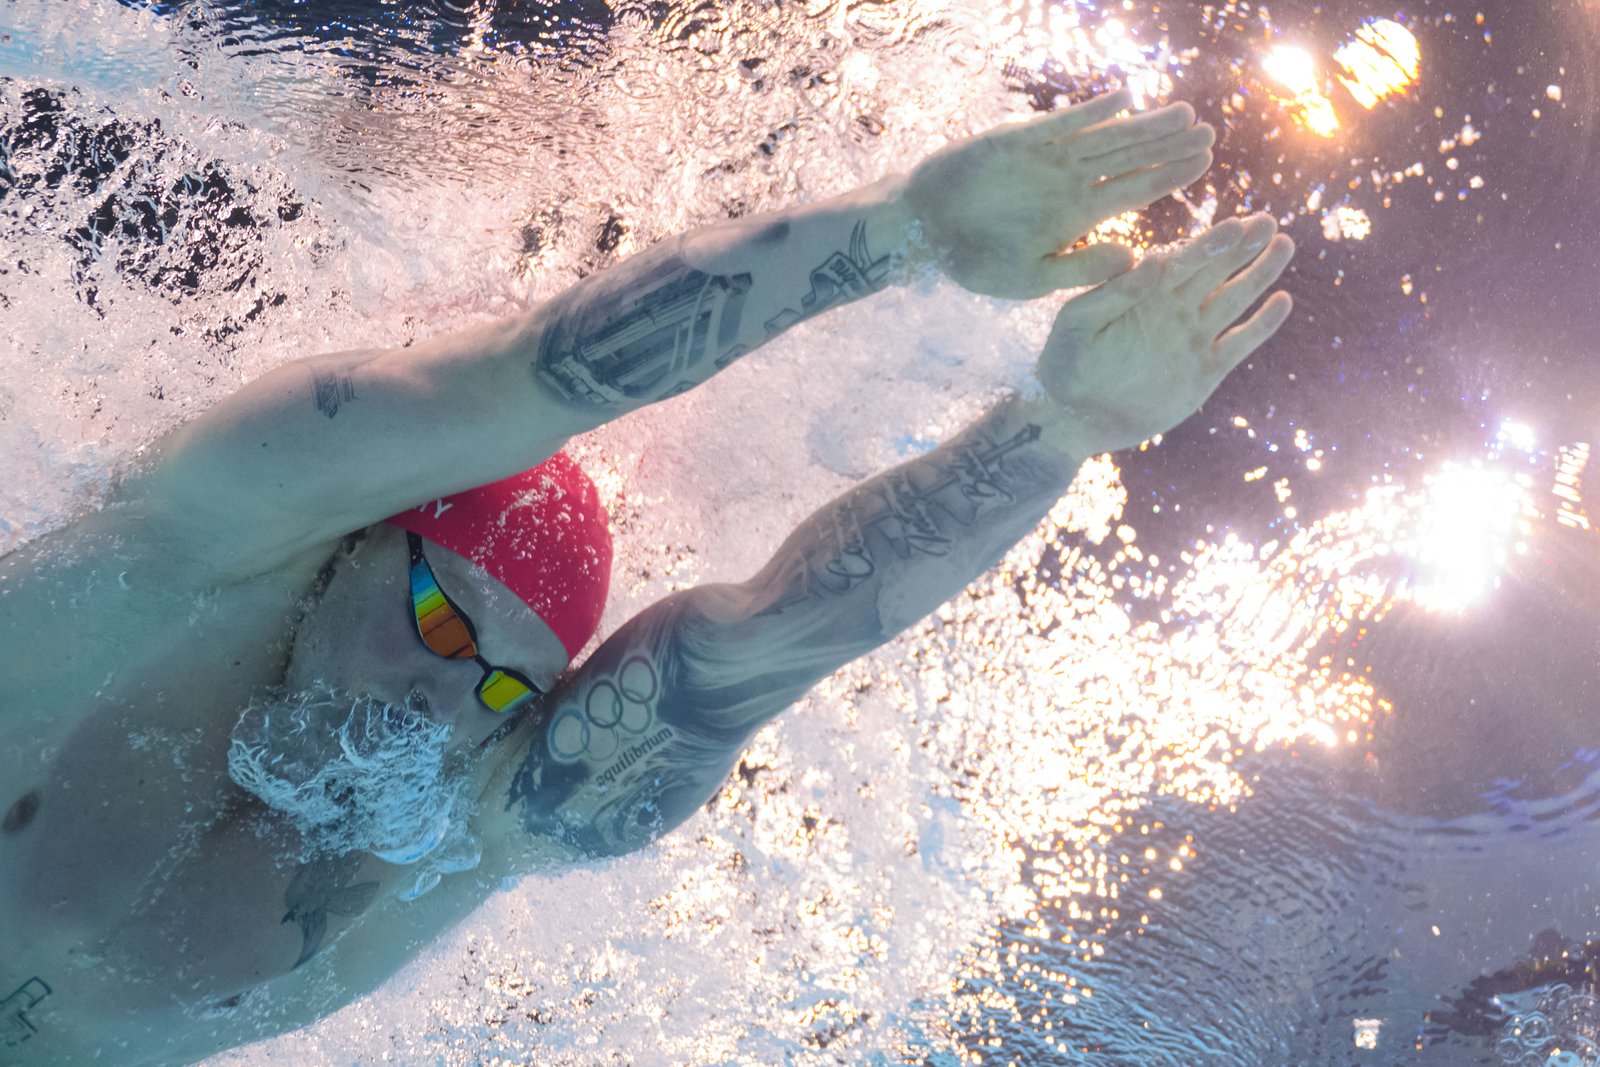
pixel 331 391
pixel 20 814
pixel 320 888
pixel 15 1028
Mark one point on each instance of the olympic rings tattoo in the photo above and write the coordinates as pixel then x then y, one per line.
pixel 613 710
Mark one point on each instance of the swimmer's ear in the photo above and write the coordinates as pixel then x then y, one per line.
pixel 1087 266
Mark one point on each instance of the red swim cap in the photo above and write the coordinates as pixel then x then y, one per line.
pixel 543 533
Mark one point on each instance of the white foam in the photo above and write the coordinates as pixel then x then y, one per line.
pixel 351 774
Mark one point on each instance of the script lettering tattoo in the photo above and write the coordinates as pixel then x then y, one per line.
pixel 321 888
pixel 908 517
pixel 611 346
pixel 842 277
pixel 15 1027
pixel 331 391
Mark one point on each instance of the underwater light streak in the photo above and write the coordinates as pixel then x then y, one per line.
pixel 1465 533
pixel 1296 71
pixel 1570 464
pixel 1382 60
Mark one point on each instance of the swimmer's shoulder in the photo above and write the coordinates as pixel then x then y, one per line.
pixel 113 591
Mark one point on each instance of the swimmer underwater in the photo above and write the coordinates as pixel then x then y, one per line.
pixel 152 912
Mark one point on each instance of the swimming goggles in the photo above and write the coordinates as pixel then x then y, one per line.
pixel 447 632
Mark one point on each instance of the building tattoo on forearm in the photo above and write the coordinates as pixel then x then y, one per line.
pixel 610 347
pixel 918 510
pixel 655 336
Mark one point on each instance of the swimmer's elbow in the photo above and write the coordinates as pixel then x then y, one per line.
pixel 743 662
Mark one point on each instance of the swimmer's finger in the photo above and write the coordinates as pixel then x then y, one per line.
pixel 1069 120
pixel 1230 301
pixel 1093 311
pixel 1135 129
pixel 1244 339
pixel 1216 244
pixel 1258 230
pixel 1135 157
pixel 1047 131
pixel 1086 266
pixel 1137 190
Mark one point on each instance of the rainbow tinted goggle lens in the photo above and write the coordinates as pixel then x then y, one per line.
pixel 447 632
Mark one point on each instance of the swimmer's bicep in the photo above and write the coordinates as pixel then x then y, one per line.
pixel 332 443
pixel 645 732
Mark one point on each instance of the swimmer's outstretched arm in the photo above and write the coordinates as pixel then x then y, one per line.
pixel 688 680
pixel 332 443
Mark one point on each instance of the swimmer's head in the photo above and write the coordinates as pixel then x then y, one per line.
pixel 543 534
pixel 536 541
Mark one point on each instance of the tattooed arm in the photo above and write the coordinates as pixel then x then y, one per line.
pixel 331 443
pixel 645 732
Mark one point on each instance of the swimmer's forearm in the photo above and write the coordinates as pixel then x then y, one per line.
pixel 889 552
pixel 669 318
pixel 900 544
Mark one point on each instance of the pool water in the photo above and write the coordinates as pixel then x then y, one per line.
pixel 1272 745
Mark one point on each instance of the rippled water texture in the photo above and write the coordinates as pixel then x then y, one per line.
pixel 1274 744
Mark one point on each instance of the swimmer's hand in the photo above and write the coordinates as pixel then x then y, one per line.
pixel 1001 211
pixel 1141 353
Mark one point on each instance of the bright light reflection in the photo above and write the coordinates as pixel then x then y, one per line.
pixel 1296 71
pixel 1058 36
pixel 1291 67
pixel 1465 533
pixel 1124 676
pixel 1517 435
pixel 1346 223
pixel 1383 59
